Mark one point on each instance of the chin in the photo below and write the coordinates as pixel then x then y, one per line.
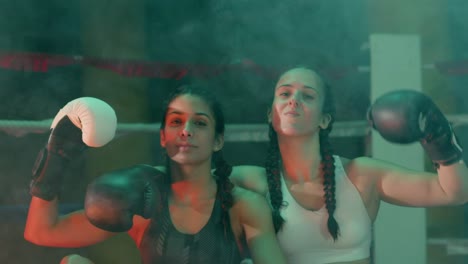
pixel 184 160
pixel 293 131
pixel 188 159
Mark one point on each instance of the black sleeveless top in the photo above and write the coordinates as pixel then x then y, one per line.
pixel 162 243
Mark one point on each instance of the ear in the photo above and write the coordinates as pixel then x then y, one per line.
pixel 269 114
pixel 219 143
pixel 162 138
pixel 326 119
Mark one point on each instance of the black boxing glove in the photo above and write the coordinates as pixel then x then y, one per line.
pixel 83 122
pixel 114 198
pixel 406 116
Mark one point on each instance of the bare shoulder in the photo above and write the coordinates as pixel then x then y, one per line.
pixel 249 203
pixel 250 177
pixel 362 171
pixel 359 165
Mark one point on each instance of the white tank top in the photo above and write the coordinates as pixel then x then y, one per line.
pixel 304 236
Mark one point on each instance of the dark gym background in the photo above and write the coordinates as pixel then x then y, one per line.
pixel 329 35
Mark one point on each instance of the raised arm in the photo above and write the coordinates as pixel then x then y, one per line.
pixel 82 123
pixel 408 116
pixel 45 227
pixel 255 218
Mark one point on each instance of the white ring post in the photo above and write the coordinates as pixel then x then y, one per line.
pixel 399 232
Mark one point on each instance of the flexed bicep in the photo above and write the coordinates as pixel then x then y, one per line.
pixel 401 186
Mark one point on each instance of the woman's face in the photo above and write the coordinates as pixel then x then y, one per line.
pixel 189 132
pixel 297 105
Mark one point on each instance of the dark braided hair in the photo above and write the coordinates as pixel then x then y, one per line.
pixel 327 166
pixel 222 172
pixel 222 168
pixel 274 182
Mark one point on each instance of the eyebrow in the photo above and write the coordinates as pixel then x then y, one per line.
pixel 290 85
pixel 177 112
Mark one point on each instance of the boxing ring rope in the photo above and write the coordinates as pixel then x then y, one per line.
pixel 234 132
pixel 43 62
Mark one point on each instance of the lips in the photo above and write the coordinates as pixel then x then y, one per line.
pixel 185 145
pixel 291 113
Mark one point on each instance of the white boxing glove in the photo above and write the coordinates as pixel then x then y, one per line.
pixel 75 259
pixel 83 122
pixel 95 118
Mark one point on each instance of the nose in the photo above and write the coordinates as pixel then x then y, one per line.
pixel 295 99
pixel 187 131
pixel 293 102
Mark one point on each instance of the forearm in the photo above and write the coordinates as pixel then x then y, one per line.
pixel 45 227
pixel 42 216
pixel 454 181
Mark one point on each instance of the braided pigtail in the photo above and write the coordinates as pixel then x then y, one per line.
pixel 328 168
pixel 273 177
pixel 222 172
pixel 328 164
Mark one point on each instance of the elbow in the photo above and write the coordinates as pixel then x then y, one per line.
pixel 461 200
pixel 30 237
pixel 457 201
pixel 458 197
pixel 34 237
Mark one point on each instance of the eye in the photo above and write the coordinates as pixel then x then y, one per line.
pixel 309 96
pixel 200 123
pixel 174 122
pixel 284 94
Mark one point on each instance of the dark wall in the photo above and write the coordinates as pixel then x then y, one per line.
pixel 331 36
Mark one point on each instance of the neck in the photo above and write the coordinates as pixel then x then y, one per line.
pixel 300 157
pixel 192 183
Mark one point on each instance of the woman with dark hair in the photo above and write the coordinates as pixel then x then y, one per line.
pixel 324 205
pixel 186 214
